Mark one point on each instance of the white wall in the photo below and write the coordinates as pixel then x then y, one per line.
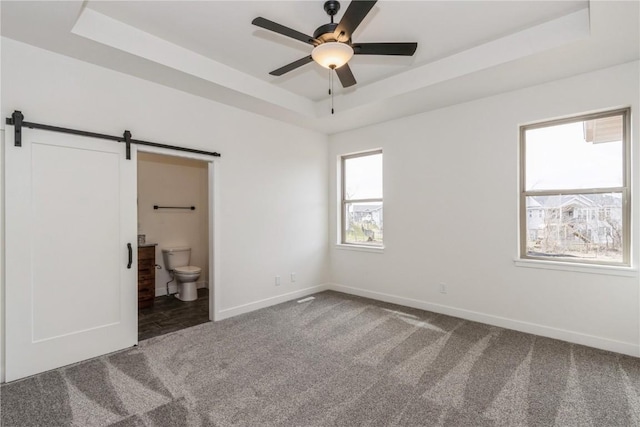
pixel 271 175
pixel 174 181
pixel 451 210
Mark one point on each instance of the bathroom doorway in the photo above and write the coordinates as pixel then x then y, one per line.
pixel 174 220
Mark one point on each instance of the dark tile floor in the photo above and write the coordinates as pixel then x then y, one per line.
pixel 169 314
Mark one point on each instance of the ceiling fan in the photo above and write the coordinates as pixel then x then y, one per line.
pixel 333 47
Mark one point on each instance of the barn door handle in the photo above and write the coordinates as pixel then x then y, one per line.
pixel 130 255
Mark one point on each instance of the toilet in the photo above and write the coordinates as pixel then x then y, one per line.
pixel 176 260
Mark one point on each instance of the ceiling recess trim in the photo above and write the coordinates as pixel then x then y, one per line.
pixel 545 36
pixel 116 34
pixel 549 35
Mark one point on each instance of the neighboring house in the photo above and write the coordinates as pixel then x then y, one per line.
pixel 366 214
pixel 365 221
pixel 583 222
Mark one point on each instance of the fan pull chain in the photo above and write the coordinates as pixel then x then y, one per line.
pixel 331 86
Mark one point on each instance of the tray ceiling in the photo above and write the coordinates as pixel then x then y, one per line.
pixel 211 49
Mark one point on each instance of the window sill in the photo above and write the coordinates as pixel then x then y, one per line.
pixel 360 248
pixel 610 270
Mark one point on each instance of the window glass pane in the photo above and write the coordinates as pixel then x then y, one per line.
pixel 363 177
pixel 585 154
pixel 575 227
pixel 363 223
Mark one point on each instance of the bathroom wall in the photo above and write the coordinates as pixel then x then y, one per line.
pixel 174 181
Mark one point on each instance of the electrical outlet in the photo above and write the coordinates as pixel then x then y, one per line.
pixel 277 280
pixel 443 288
pixel 293 277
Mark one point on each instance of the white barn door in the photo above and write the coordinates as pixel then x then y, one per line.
pixel 70 210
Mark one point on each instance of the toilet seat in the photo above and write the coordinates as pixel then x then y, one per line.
pixel 189 269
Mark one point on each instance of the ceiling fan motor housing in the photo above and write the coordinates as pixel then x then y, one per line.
pixel 324 33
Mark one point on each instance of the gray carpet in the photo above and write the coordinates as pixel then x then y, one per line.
pixel 337 360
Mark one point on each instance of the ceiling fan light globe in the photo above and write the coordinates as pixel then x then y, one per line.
pixel 332 54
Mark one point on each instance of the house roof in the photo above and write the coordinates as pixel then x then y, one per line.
pixel 578 200
pixel 533 203
pixel 366 208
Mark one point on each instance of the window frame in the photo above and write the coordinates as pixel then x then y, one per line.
pixel 344 201
pixel 624 190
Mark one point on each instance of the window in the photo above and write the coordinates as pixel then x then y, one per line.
pixel 576 165
pixel 361 204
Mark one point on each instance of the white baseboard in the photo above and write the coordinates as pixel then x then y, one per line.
pixel 173 288
pixel 630 349
pixel 267 302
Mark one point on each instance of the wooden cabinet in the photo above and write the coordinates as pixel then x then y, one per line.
pixel 146 276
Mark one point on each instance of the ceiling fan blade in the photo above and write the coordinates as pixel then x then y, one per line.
pixel 290 67
pixel 403 49
pixel 285 31
pixel 352 17
pixel 345 75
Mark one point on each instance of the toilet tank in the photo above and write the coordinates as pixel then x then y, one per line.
pixel 176 257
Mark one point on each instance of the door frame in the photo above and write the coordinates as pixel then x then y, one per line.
pixel 213 222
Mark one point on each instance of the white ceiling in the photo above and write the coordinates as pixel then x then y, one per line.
pixel 465 49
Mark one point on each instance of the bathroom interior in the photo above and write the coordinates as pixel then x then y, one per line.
pixel 173 244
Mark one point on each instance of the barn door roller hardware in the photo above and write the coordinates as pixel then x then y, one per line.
pixel 127 141
pixel 17 121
